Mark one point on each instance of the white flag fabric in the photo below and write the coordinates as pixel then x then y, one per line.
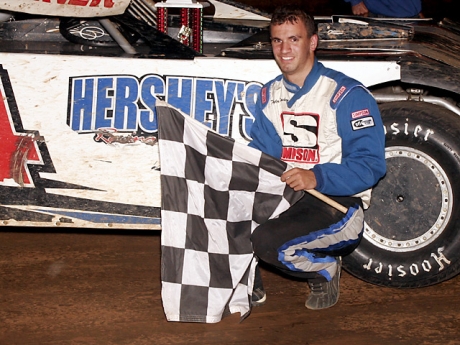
pixel 215 192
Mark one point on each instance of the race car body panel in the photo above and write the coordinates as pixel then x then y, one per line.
pixel 82 133
pixel 78 121
pixel 78 130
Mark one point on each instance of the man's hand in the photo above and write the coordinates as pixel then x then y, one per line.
pixel 360 10
pixel 299 179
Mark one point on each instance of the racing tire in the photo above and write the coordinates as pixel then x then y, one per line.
pixel 411 234
pixel 92 33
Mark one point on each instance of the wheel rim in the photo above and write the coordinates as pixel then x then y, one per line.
pixel 405 233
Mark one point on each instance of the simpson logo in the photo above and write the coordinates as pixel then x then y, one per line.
pixel 299 154
pixel 360 113
pixel 362 123
pixel 300 137
pixel 338 94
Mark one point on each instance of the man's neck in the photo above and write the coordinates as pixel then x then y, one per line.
pixel 299 78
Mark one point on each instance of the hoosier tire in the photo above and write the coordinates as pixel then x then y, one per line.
pixel 412 232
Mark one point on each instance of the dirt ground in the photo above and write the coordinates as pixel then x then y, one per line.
pixel 104 289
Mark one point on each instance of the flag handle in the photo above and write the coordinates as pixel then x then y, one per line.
pixel 327 200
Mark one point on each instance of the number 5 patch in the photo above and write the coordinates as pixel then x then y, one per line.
pixel 362 123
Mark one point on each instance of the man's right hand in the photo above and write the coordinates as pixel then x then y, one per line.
pixel 360 10
pixel 299 179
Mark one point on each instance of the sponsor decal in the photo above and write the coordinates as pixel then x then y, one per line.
pixel 109 136
pixel 360 113
pixel 362 123
pixel 299 154
pixel 74 8
pixel 91 3
pixel 338 94
pixel 264 95
pixel 116 104
pixel 300 137
pixel 19 147
pixel 27 198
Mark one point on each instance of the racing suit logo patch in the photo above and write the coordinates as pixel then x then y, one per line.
pixel 300 137
pixel 338 94
pixel 264 95
pixel 360 113
pixel 362 123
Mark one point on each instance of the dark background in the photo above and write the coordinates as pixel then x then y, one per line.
pixel 431 8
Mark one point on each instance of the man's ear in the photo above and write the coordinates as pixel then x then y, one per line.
pixel 314 42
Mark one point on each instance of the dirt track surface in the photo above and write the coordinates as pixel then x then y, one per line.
pixel 103 289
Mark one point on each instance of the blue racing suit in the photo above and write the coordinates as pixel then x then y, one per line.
pixel 331 125
pixel 392 8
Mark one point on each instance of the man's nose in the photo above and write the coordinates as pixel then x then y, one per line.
pixel 285 46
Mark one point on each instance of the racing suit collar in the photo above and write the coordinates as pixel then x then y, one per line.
pixel 309 82
pixel 291 87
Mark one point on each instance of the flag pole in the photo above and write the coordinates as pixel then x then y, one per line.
pixel 327 200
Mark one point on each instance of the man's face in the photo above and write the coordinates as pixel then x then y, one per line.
pixel 293 50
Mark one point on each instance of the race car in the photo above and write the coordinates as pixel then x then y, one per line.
pixel 79 136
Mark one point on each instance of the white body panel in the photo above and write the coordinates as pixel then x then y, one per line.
pixel 48 88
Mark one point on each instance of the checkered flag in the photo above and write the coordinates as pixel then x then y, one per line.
pixel 215 192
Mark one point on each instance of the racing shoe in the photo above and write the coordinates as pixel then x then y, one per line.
pixel 258 297
pixel 258 293
pixel 326 294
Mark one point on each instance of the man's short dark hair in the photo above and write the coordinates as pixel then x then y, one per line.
pixel 292 14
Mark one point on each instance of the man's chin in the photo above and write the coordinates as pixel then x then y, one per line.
pixel 284 64
pixel 285 69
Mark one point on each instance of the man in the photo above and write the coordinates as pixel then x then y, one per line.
pixel 387 8
pixel 328 127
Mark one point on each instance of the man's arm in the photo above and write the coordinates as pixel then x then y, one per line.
pixel 263 133
pixel 358 7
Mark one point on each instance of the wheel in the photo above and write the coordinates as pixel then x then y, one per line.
pixel 92 33
pixel 411 234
